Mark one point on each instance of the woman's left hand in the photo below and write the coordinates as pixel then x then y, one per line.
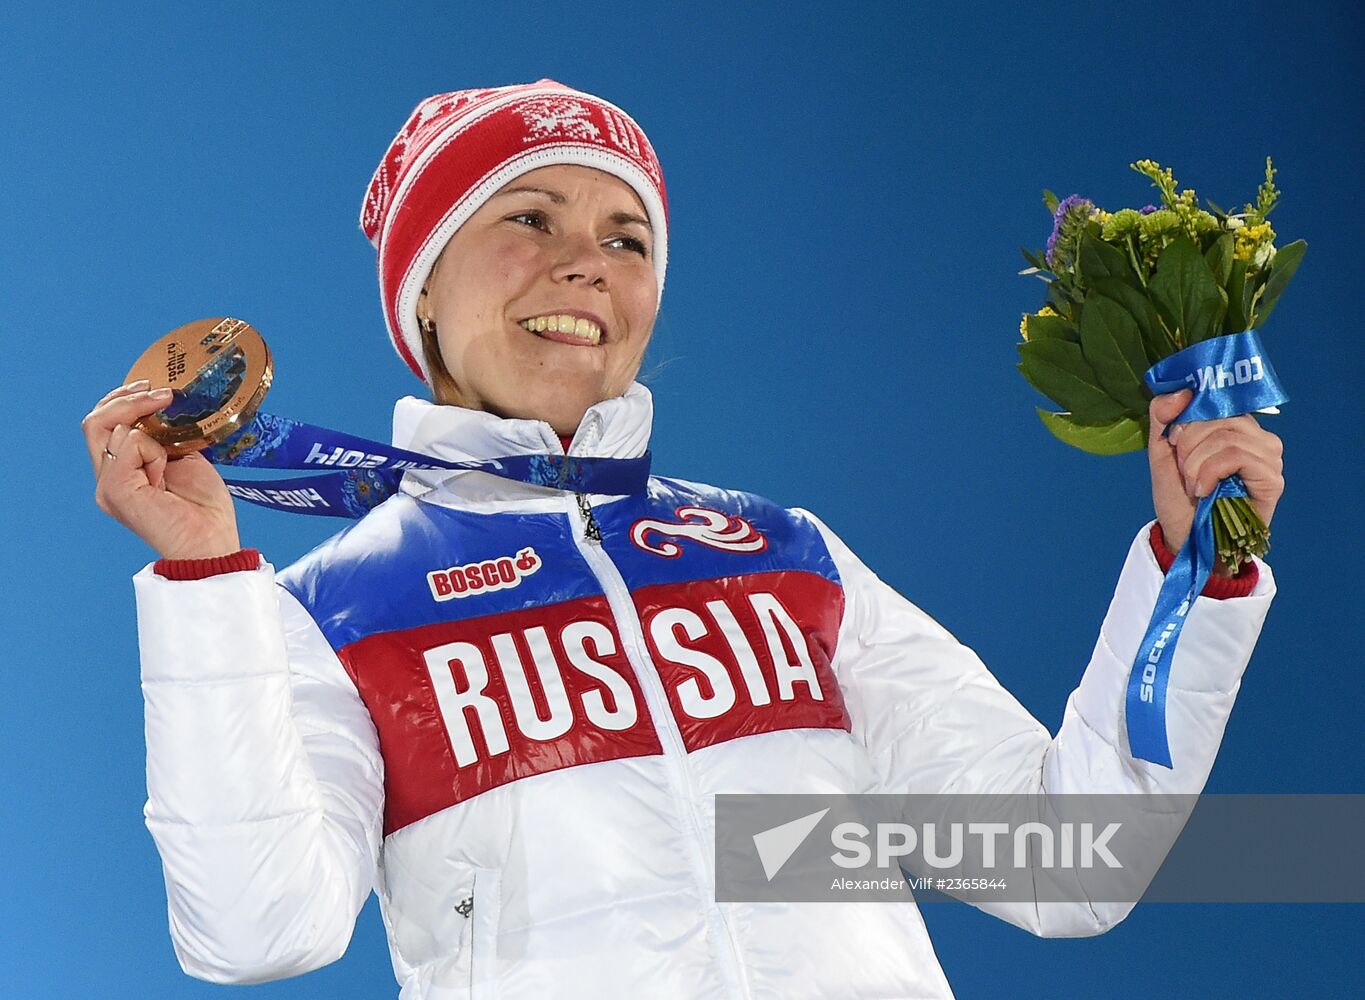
pixel 1189 464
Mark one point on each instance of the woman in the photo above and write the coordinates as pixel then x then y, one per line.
pixel 508 708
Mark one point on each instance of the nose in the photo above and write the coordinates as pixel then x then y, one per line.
pixel 580 260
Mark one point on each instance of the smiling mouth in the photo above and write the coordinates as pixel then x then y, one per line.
pixel 564 329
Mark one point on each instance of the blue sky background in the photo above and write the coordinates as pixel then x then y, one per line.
pixel 849 187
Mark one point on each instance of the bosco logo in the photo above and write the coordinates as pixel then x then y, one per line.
pixel 483 577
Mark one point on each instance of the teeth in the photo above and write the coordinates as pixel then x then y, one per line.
pixel 564 323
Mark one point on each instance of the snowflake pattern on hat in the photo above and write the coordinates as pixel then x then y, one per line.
pixel 547 117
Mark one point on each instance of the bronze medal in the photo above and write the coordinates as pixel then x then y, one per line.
pixel 219 370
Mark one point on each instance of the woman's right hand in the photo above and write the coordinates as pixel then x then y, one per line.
pixel 181 506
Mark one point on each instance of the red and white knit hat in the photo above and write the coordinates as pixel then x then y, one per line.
pixel 457 149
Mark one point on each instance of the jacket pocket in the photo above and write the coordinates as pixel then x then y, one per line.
pixel 486 899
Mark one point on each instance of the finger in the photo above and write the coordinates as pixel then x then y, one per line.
pixel 1205 473
pixel 124 390
pixel 129 450
pixel 1190 457
pixel 124 490
pixel 145 449
pixel 1196 430
pixel 122 409
pixel 1264 483
pixel 109 451
pixel 126 407
pixel 1166 407
pixel 1195 437
pixel 96 419
pixel 156 471
pixel 115 445
pixel 134 451
pixel 108 477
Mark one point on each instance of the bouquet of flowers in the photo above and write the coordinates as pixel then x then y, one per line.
pixel 1130 288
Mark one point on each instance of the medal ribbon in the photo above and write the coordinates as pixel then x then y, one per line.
pixel 366 473
pixel 1230 375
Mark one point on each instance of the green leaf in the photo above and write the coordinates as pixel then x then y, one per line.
pixel 1058 370
pixel 1238 299
pixel 1042 327
pixel 1282 268
pixel 1156 343
pixel 1112 438
pixel 1100 260
pixel 1035 257
pixel 1058 298
pixel 1251 295
pixel 1051 201
pixel 1185 294
pixel 1112 344
pixel 1219 258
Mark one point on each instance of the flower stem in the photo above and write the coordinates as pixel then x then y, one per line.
pixel 1238 532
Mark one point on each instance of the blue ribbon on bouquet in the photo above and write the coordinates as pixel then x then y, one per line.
pixel 1230 375
pixel 365 473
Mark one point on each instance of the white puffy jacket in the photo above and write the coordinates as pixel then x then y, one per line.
pixel 513 732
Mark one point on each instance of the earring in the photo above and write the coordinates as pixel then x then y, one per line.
pixel 428 327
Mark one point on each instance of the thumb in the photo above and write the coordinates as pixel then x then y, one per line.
pixel 1167 407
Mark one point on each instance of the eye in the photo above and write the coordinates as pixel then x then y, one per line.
pixel 632 244
pixel 536 219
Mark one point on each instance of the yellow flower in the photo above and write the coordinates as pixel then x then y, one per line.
pixel 1249 238
pixel 1023 322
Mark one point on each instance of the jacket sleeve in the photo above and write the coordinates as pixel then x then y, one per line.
pixel 935 721
pixel 264 778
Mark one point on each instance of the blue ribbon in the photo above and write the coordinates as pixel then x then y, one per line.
pixel 351 494
pixel 366 473
pixel 1230 375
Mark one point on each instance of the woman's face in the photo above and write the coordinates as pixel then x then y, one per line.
pixel 558 241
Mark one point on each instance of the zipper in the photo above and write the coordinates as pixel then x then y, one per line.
pixel 632 632
pixel 590 528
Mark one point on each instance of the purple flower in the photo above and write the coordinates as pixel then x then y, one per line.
pixel 1070 205
pixel 1147 209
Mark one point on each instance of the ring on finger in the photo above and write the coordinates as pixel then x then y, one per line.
pixel 109 454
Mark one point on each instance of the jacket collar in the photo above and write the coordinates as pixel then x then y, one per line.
pixel 613 428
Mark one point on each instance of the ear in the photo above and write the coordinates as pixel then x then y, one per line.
pixel 423 305
pixel 424 302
